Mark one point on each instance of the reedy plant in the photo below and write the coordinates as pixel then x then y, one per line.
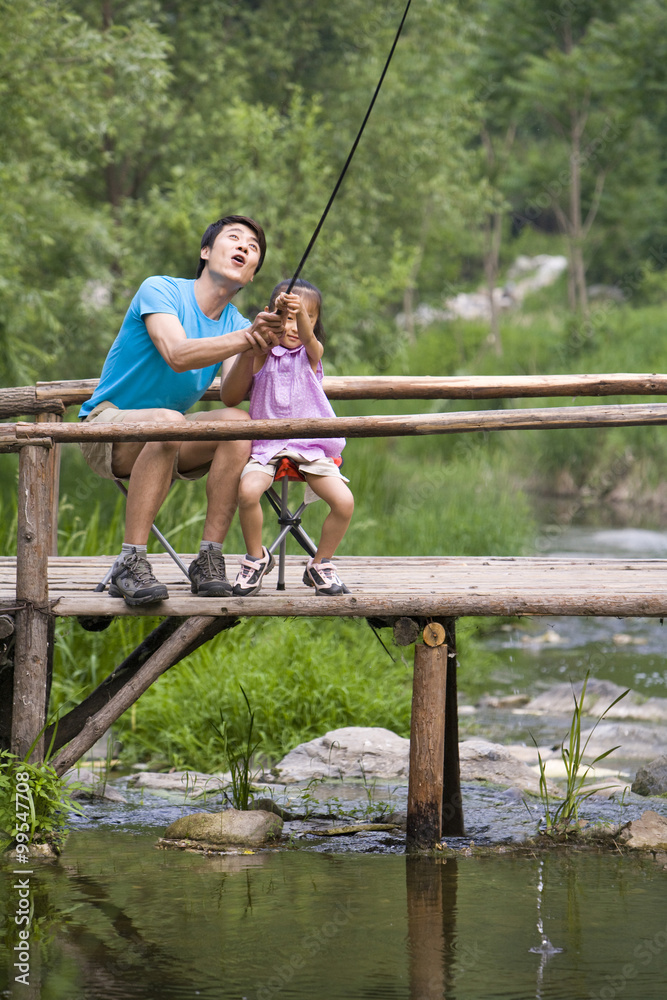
pixel 238 757
pixel 564 819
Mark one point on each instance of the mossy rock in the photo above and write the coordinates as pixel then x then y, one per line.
pixel 227 828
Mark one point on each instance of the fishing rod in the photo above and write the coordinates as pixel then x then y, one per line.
pixel 351 153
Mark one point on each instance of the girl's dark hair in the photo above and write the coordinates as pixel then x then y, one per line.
pixel 209 237
pixel 301 286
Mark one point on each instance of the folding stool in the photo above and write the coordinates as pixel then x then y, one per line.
pixel 290 523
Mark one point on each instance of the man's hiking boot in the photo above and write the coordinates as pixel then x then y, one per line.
pixel 132 578
pixel 324 578
pixel 249 577
pixel 207 574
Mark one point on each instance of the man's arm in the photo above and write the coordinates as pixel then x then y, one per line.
pixel 183 354
pixel 237 373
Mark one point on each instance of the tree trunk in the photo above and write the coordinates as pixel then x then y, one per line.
pixel 492 236
pixel 577 273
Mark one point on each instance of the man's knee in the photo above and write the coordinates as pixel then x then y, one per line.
pixel 165 416
pixel 233 414
pixel 230 413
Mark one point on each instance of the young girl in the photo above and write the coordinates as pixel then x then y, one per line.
pixel 286 382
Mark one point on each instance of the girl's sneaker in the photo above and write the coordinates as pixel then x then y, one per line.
pixel 324 578
pixel 249 577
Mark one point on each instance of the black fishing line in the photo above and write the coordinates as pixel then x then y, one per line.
pixel 351 153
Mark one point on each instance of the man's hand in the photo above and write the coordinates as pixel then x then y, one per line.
pixel 264 333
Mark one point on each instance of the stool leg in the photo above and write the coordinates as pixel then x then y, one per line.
pixel 284 486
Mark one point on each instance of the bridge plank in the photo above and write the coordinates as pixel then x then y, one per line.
pixel 428 586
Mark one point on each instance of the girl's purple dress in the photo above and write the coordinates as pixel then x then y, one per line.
pixel 286 386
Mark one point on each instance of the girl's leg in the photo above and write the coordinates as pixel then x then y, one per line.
pixel 337 494
pixel 251 487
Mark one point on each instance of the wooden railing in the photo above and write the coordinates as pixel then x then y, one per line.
pixel 55 397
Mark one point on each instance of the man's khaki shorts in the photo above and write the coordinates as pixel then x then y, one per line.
pixel 98 453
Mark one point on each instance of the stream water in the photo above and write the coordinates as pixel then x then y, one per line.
pixel 115 918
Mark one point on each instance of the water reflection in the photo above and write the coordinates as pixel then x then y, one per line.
pixel 431 911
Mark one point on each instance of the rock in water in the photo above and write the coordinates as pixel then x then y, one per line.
pixel 492 762
pixel 230 827
pixel 350 752
pixel 652 779
pixel 649 832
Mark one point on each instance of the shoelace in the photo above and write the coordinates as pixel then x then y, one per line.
pixel 140 568
pixel 327 572
pixel 213 561
pixel 248 567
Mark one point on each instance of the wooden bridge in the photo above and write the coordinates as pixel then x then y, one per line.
pixel 418 597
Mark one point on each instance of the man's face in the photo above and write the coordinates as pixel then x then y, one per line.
pixel 234 255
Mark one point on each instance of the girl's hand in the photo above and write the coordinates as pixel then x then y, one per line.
pixel 288 304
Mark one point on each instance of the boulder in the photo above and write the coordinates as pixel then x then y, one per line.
pixel 652 779
pixel 649 832
pixel 230 827
pixel 484 761
pixel 351 752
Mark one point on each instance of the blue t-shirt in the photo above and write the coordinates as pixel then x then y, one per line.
pixel 135 376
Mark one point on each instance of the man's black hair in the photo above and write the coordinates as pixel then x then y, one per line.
pixel 209 237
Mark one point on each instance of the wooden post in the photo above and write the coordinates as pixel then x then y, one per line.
pixel 53 473
pixel 427 742
pixel 31 650
pixel 452 803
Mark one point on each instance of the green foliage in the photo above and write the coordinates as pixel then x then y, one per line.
pixel 169 115
pixel 564 819
pixel 34 803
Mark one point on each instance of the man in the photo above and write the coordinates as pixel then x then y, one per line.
pixel 173 340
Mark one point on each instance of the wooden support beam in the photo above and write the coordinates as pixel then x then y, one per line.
pixel 33 629
pixel 71 724
pixel 427 747
pixel 452 801
pixel 186 638
pixel 53 473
